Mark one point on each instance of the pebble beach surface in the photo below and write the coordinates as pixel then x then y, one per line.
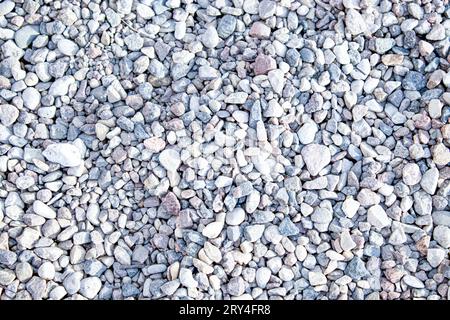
pixel 224 149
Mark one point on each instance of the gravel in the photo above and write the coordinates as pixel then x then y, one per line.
pixel 217 150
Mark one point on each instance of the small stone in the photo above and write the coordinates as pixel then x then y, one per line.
pixel 377 217
pixel 208 73
pixel 72 282
pixel 236 286
pixel 37 288
pixel 170 160
pixel 43 210
pixel 287 228
pixel 24 182
pixel 259 30
pixel 7 258
pixel 155 144
pixel 226 26
pixel 346 241
pixel 67 47
pixel 210 38
pixel 24 271
pixel 392 59
pixel 355 22
pixel 31 98
pixel 350 207
pixel 266 9
pixel 262 277
pixel 442 236
pixel 235 217
pixel 322 216
pixel 90 287
pixel 435 256
pixel 65 154
pixel 317 278
pixel 186 278
pixel 170 204
pixel 263 64
pixel 49 253
pixel 316 157
pixel 341 52
pixel 356 269
pixel 46 271
pixel 441 154
pixel 8 114
pixel 413 282
pixel 122 256
pixel 134 42
pixel 25 36
pixel 411 174
pixel 6 277
pixel 254 232
pixel 437 33
pixel 277 80
pixel 307 132
pixel 429 180
pixel 61 86
pixel 383 45
pixel 237 98
pixel 213 230
pixel 422 203
pixel 6 7
pixel 414 81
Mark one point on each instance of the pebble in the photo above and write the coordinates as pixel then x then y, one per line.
pixel 170 159
pixel 235 217
pixel 67 47
pixel 377 217
pixel 25 35
pixel 316 158
pixel 411 174
pixel 259 30
pixel 64 154
pixel 90 287
pixel 355 22
pixel 210 38
pixel 31 98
